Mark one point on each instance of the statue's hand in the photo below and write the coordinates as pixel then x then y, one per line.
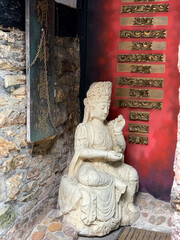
pixel 114 156
pixel 119 124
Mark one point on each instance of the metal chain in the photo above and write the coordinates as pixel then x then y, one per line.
pixel 39 48
pixel 46 81
pixel 38 51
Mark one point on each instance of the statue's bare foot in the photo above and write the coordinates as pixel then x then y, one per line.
pixel 132 208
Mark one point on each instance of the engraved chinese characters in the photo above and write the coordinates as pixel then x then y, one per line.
pixel 142 56
pixel 40 76
pixel 148 8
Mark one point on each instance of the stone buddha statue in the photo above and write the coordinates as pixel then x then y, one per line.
pixel 96 197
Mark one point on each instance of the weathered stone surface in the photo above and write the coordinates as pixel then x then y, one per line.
pixel 152 204
pixel 12 116
pixel 47 161
pixel 52 236
pixel 51 180
pixel 152 219
pixel 21 136
pixel 29 197
pixel 144 214
pixel 6 147
pixel 69 231
pixel 10 232
pixel 54 227
pixel 60 234
pixel 74 118
pixel 29 186
pixel 22 222
pixel 46 192
pixel 19 132
pixel 7 216
pixel 73 107
pixel 170 222
pixel 34 173
pixel 12 65
pixel 160 211
pixel 12 51
pixel 175 226
pixel 143 202
pixel 53 214
pixel 11 80
pixel 38 235
pixel 19 93
pixel 42 147
pixel 6 100
pixel 41 228
pixel 61 114
pixel 2 188
pixel 14 162
pixel 12 36
pixel 60 95
pixel 26 207
pixel 43 167
pixel 45 174
pixel 167 207
pixel 160 220
pixel 35 161
pixel 13 184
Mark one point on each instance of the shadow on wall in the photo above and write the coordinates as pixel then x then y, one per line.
pixel 12 14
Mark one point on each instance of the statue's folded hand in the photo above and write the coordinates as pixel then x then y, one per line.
pixel 114 156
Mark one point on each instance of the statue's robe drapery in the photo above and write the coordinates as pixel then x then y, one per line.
pixel 91 195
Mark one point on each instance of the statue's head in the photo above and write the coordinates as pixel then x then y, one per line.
pixel 98 97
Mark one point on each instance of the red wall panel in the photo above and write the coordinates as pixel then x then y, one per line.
pixel 154 162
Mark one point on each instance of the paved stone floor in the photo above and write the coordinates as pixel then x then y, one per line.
pixel 154 215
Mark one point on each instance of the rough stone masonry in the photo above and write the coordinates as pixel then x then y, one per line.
pixel 30 173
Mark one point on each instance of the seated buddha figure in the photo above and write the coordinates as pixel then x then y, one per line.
pixel 96 197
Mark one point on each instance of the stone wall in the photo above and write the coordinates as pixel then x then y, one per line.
pixel 175 192
pixel 30 173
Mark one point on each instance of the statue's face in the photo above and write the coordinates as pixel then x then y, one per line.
pixel 100 110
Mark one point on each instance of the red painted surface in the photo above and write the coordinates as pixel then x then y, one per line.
pixel 154 162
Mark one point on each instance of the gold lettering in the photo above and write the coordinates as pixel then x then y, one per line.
pixel 138 128
pixel 148 8
pixel 139 104
pixel 42 9
pixel 140 82
pixel 138 139
pixel 41 86
pixel 142 116
pixel 42 121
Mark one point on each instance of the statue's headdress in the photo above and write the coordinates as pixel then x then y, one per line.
pixel 98 92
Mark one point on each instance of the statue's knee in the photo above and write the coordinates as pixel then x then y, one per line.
pixel 94 178
pixel 88 177
pixel 133 175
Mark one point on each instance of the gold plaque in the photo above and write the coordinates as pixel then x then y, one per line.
pixel 142 46
pixel 143 21
pixel 141 57
pixel 141 116
pixel 140 82
pixel 138 139
pixel 139 104
pixel 143 33
pixel 148 8
pixel 135 68
pixel 138 128
pixel 139 93
pixel 141 69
